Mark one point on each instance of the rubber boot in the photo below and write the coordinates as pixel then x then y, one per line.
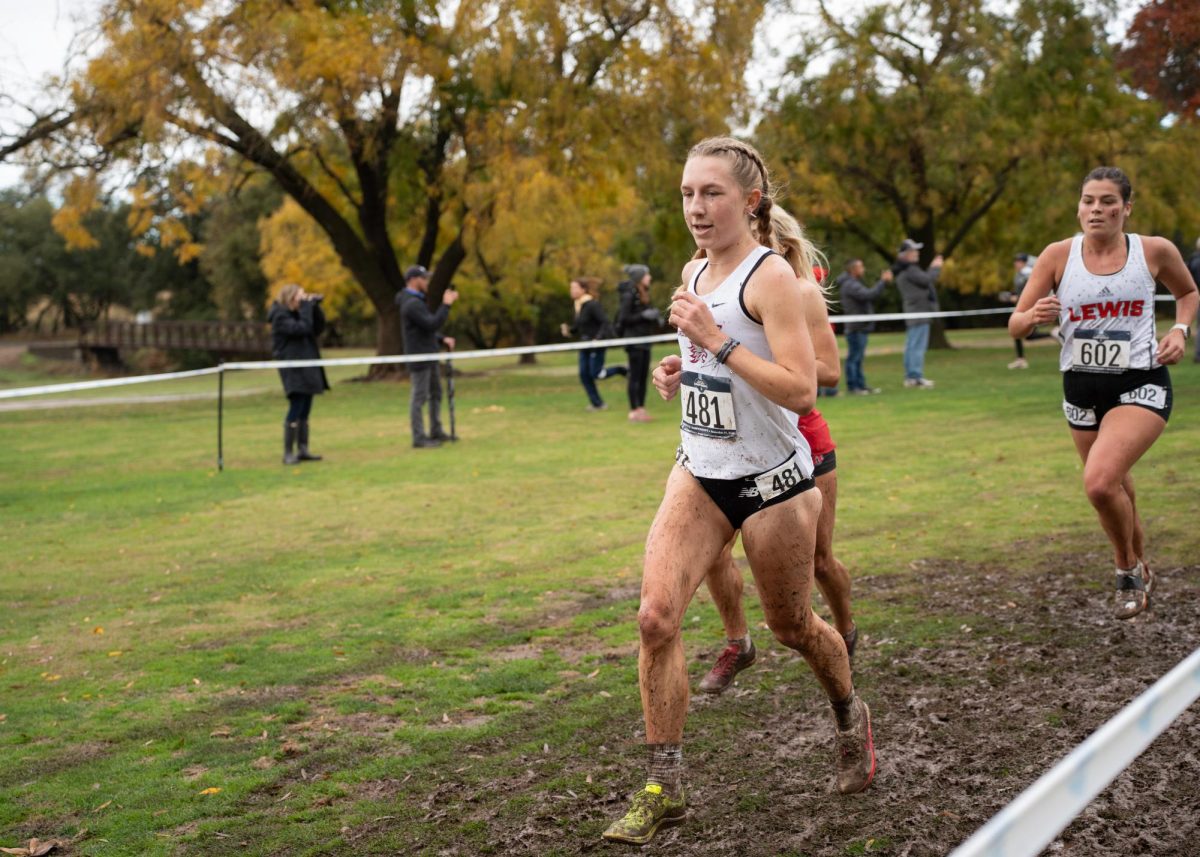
pixel 289 443
pixel 302 436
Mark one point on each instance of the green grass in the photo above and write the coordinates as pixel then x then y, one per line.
pixel 331 645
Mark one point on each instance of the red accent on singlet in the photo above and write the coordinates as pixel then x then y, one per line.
pixel 816 431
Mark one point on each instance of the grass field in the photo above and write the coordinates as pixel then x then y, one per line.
pixel 434 651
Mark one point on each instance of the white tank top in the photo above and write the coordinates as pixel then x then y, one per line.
pixel 1101 312
pixel 730 430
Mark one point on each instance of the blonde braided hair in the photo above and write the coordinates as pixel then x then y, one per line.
pixel 750 172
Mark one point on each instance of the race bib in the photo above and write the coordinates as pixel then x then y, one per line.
pixel 1079 416
pixel 1100 350
pixel 783 478
pixel 1150 395
pixel 707 406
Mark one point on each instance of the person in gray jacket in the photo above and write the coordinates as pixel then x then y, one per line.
pixel 422 335
pixel 858 299
pixel 918 294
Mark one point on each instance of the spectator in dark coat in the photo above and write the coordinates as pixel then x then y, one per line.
pixel 918 294
pixel 591 324
pixel 423 335
pixel 637 316
pixel 296 321
pixel 858 299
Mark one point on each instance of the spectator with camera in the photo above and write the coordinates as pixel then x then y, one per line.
pixel 637 316
pixel 296 321
pixel 858 299
pixel 423 335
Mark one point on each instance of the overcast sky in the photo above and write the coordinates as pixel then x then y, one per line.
pixel 35 36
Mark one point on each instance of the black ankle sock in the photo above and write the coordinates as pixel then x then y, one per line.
pixel 844 712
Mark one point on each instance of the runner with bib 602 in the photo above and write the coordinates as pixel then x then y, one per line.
pixel 1116 388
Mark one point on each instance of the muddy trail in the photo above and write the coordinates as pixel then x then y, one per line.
pixel 961 726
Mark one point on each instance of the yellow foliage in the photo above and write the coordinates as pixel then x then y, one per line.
pixel 295 250
pixel 80 197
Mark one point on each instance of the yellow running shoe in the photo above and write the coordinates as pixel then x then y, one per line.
pixel 651 810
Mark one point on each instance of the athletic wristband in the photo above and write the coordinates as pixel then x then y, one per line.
pixel 1187 331
pixel 727 349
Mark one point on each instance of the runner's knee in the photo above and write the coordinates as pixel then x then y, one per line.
pixel 799 634
pixel 1101 488
pixel 657 624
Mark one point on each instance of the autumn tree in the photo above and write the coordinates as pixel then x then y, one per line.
pixel 1162 55
pixel 933 117
pixel 380 119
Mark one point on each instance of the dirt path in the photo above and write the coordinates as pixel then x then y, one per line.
pixel 962 727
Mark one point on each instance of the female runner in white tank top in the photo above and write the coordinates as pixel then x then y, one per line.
pixel 1116 388
pixel 747 369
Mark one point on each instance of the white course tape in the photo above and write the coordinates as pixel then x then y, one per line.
pixel 1038 814
pixel 248 365
pixel 107 382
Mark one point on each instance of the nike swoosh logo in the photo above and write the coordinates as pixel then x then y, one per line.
pixel 714 306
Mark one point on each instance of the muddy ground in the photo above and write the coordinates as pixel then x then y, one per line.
pixel 961 728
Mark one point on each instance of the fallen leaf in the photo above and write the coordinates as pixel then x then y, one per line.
pixel 445 718
pixel 220 732
pixel 97 630
pixel 262 763
pixel 104 805
pixel 195 681
pixel 211 790
pixel 115 654
pixel 291 748
pixel 594 673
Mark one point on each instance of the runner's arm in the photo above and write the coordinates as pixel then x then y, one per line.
pixel 1037 305
pixel 1169 269
pixel 825 347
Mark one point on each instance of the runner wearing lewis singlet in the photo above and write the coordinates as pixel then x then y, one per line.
pixel 1116 388
pixel 746 369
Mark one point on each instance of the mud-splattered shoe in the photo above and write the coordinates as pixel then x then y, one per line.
pixel 651 809
pixel 856 752
pixel 1134 588
pixel 729 663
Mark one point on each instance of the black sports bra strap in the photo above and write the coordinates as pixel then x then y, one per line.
pixel 742 290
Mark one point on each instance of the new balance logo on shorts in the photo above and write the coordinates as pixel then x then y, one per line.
pixel 749 491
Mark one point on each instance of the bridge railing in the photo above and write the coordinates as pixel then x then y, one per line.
pixel 220 336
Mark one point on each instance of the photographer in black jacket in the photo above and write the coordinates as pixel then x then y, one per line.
pixel 422 335
pixel 296 321
pixel 637 316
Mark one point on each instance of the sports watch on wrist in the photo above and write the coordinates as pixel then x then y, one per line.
pixel 1187 331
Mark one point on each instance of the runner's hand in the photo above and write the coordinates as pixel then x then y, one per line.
pixel 1171 348
pixel 1045 311
pixel 667 375
pixel 692 317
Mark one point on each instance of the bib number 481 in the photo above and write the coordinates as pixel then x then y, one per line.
pixel 707 406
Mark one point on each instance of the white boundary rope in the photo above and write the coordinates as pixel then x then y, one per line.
pixel 1038 814
pixel 249 365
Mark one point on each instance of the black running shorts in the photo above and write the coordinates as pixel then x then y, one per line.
pixel 1088 396
pixel 738 499
pixel 823 464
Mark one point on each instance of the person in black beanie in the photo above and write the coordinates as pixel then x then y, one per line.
pixel 296 321
pixel 637 316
